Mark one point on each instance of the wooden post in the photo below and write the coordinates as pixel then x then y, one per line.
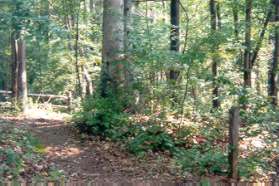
pixel 22 78
pixel 233 142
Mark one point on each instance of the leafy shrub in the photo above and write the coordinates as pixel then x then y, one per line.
pixel 11 162
pixel 213 161
pixel 248 167
pixel 103 117
pixel 197 147
pixel 153 138
pixel 20 154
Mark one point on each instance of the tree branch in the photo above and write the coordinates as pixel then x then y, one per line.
pixel 262 34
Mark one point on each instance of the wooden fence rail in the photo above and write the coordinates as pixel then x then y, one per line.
pixel 38 95
pixel 67 100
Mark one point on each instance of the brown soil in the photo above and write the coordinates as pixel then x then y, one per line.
pixel 89 158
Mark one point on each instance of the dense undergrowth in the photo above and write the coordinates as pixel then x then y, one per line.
pixel 197 143
pixel 21 155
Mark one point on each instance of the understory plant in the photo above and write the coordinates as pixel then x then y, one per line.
pixel 21 155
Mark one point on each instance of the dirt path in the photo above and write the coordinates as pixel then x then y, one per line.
pixel 93 159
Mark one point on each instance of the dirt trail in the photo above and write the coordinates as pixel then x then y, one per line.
pixel 93 159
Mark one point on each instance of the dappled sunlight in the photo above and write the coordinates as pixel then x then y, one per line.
pixel 62 152
pixel 34 113
pixel 140 90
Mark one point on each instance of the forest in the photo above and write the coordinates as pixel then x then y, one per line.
pixel 139 90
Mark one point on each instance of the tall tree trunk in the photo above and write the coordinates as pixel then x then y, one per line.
pixel 14 65
pixel 128 22
pixel 15 34
pixel 215 23
pixel 22 78
pixel 128 6
pixel 77 66
pixel 174 37
pixel 272 75
pixel 18 65
pixel 235 10
pixel 114 67
pixel 247 52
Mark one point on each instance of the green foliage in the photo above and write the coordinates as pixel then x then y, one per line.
pixel 203 162
pixel 153 138
pixel 105 117
pixel 102 116
pixel 249 166
pixel 50 32
pixel 20 153
pixel 13 163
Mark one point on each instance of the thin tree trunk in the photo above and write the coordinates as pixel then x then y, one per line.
pixel 247 53
pixel 236 19
pixel 215 59
pixel 128 6
pixel 128 22
pixel 14 66
pixel 174 37
pixel 273 79
pixel 78 77
pixel 218 12
pixel 261 38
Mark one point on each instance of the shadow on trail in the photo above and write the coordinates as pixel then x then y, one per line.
pixel 67 152
pixel 93 159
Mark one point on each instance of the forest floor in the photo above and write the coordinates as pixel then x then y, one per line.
pixel 87 158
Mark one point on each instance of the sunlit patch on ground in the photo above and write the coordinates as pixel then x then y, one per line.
pixel 34 113
pixel 63 152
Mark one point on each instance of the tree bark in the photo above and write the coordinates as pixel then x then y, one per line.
pixel 77 66
pixel 174 36
pixel 113 67
pixel 128 22
pixel 215 23
pixel 260 40
pixel 247 52
pixel 14 66
pixel 22 78
pixel 128 6
pixel 236 19
pixel 272 75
